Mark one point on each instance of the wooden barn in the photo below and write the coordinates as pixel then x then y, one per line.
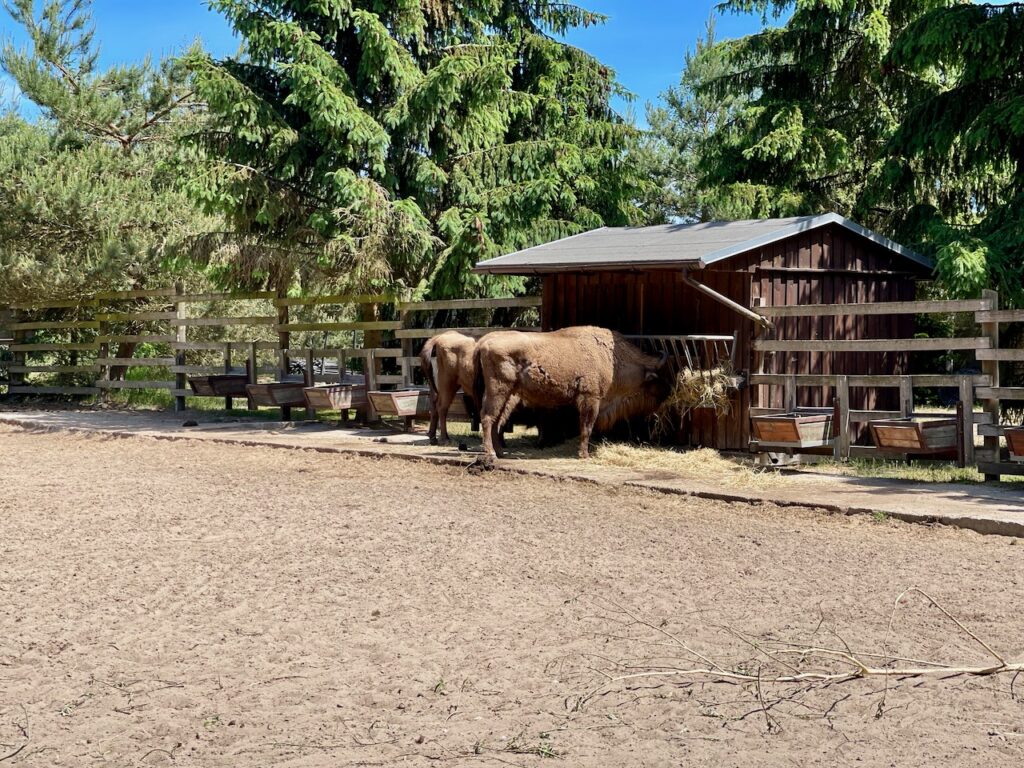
pixel 711 278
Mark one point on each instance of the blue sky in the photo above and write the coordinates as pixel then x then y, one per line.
pixel 643 40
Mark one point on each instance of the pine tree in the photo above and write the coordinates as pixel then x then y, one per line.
pixel 682 126
pixel 395 143
pixel 90 198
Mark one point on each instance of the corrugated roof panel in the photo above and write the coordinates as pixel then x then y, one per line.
pixel 669 245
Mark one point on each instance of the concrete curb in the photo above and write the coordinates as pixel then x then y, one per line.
pixel 980 524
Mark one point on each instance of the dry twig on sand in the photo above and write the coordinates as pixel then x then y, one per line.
pixel 828 666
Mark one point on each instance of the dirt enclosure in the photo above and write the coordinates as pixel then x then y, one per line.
pixel 182 604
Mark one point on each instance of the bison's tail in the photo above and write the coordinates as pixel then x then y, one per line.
pixel 478 378
pixel 426 367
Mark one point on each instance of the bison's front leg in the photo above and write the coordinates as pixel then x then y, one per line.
pixel 589 409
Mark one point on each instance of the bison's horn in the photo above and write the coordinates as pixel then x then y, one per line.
pixel 664 359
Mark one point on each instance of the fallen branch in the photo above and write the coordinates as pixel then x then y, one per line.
pixel 856 668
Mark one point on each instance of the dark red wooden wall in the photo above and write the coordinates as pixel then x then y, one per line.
pixel 826 266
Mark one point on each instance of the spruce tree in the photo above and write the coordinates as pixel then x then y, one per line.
pixel 395 143
pixel 957 158
pixel 822 108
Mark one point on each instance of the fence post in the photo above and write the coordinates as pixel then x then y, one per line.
pixel 181 335
pixel 307 376
pixel 228 402
pixel 283 336
pixel 991 369
pixel 16 379
pixel 842 446
pixel 790 394
pixel 967 420
pixel 906 396
pixel 103 354
pixel 370 372
pixel 253 373
pixel 407 346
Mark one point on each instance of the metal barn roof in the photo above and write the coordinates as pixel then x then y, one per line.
pixel 672 245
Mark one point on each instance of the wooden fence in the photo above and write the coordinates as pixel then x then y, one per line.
pixel 985 386
pixel 100 335
pixel 86 342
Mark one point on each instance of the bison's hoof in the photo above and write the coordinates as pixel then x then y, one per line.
pixel 433 441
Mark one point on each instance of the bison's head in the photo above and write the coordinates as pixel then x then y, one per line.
pixel 659 381
pixel 656 382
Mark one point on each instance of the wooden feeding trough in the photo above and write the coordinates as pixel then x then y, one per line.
pixel 278 394
pixel 796 429
pixel 1015 442
pixel 219 385
pixel 407 403
pixel 337 397
pixel 916 436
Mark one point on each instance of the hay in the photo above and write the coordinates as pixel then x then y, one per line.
pixel 704 464
pixel 712 389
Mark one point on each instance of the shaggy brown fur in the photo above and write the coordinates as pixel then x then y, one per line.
pixel 596 370
pixel 454 354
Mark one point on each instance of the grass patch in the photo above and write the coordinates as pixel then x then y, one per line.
pixel 894 469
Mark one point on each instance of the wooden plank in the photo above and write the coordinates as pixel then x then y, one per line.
pixel 41 326
pixel 64 304
pixel 1005 355
pixel 135 384
pixel 334 299
pixel 216 346
pixel 511 302
pixel 188 322
pixel 856 415
pixel 328 352
pixel 190 298
pixel 138 294
pixel 1000 393
pixel 879 345
pixel 26 390
pixel 125 317
pixel 211 370
pixel 881 380
pixel 137 338
pixel 53 368
pixel 370 325
pixel 1001 468
pixel 1000 316
pixel 425 333
pixel 134 362
pixel 53 347
pixel 879 308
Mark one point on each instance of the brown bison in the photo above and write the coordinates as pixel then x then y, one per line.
pixel 455 370
pixel 596 370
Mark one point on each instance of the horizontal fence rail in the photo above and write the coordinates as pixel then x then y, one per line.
pixel 97 346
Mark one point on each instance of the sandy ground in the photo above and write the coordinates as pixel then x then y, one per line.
pixel 182 604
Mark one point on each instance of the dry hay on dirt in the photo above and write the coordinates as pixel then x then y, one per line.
pixel 169 604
